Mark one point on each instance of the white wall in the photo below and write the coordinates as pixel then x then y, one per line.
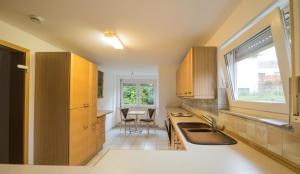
pixel 167 89
pixel 34 44
pixel 297 34
pixel 108 102
pixel 111 93
pixel 245 12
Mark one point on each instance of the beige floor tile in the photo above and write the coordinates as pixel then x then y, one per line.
pixel 117 140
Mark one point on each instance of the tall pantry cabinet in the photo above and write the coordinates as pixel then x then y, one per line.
pixel 65 109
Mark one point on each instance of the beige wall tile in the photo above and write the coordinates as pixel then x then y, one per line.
pixel 275 140
pixel 291 147
pixel 261 134
pixel 250 130
pixel 242 127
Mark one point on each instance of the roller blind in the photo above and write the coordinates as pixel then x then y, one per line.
pixel 252 45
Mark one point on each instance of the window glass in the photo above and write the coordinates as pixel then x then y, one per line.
pixel 129 91
pixel 146 94
pixel 286 19
pixel 253 70
pixel 137 92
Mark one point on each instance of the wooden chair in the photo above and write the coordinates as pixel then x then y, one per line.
pixel 150 120
pixel 125 119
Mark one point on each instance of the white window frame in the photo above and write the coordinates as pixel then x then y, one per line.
pixel 274 20
pixel 138 83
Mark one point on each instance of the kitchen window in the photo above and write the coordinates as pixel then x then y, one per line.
pixel 136 93
pixel 257 66
pixel 253 70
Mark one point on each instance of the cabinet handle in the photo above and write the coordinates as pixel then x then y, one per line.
pixel 185 93
pixel 85 105
pixel 85 127
pixel 190 92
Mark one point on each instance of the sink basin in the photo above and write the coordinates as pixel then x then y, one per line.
pixel 192 125
pixel 200 130
pixel 203 134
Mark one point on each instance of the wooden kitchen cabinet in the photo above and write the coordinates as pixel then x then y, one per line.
pixel 197 74
pixel 79 83
pixel 65 109
pixel 92 121
pixel 79 130
pixel 100 131
pixel 176 143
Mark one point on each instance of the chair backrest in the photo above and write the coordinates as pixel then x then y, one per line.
pixel 124 112
pixel 151 113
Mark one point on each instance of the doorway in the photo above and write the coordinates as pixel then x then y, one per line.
pixel 13 104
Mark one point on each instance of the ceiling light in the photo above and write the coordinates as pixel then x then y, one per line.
pixel 113 40
pixel 35 19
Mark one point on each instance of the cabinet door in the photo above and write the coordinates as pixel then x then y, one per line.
pixel 178 83
pixel 100 129
pixel 189 73
pixel 79 84
pixel 93 80
pixel 78 140
pixel 205 72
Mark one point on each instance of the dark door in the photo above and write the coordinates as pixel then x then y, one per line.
pixel 12 84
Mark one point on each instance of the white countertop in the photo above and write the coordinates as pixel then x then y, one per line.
pixel 204 159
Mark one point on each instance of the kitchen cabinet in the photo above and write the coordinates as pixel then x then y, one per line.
pixel 176 143
pixel 100 131
pixel 196 76
pixel 78 135
pixel 79 82
pixel 65 109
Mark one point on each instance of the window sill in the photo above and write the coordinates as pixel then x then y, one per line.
pixel 271 121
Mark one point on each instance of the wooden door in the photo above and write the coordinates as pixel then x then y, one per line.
pixel 100 131
pixel 205 72
pixel 185 76
pixel 79 84
pixel 93 79
pixel 78 139
pixel 178 82
pixel 189 73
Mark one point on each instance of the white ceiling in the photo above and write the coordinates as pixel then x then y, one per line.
pixel 153 31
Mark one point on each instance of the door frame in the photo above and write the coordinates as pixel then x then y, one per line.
pixel 26 96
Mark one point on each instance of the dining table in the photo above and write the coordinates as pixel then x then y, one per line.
pixel 136 113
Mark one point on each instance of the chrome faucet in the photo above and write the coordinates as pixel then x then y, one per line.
pixel 211 120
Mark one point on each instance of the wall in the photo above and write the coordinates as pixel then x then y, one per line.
pixel 34 44
pixel 167 89
pixel 283 142
pixel 108 102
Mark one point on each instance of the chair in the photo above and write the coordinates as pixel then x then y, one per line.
pixel 125 119
pixel 150 120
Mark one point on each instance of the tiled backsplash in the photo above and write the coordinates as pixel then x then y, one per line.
pixel 283 142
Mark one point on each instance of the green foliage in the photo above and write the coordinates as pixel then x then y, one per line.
pixel 129 95
pixel 147 95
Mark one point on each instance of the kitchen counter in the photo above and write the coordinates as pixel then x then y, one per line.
pixel 101 113
pixel 204 159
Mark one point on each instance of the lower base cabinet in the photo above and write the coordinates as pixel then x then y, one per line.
pixel 176 143
pixel 100 132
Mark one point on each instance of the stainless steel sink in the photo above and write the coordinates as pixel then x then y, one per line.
pixel 192 125
pixel 200 130
pixel 203 134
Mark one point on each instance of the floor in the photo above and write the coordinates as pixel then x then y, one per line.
pixel 134 141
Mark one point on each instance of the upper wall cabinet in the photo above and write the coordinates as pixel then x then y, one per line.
pixel 196 76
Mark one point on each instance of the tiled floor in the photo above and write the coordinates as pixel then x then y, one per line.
pixel 118 140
